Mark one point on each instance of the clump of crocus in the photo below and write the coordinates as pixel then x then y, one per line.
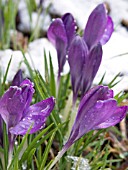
pixel 85 53
pixel 60 33
pixel 97 110
pixel 16 111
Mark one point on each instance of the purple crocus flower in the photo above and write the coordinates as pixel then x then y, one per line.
pixel 60 33
pixel 99 27
pixel 17 113
pixel 84 65
pixel 85 53
pixel 97 110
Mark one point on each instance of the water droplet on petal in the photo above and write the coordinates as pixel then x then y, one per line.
pixel 23 126
pixel 75 27
pixel 113 118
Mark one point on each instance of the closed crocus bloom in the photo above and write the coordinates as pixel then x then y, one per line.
pixel 99 27
pixel 17 113
pixel 97 110
pixel 84 65
pixel 85 53
pixel 60 33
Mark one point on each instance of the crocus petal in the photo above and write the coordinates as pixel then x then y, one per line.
pixel 107 32
pixel 70 26
pixel 118 115
pixel 99 113
pixel 18 78
pixel 57 35
pixel 96 25
pixel 28 94
pixel 90 68
pixel 36 117
pixel 77 58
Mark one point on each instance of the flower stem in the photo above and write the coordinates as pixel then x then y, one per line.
pixel 60 154
pixel 11 146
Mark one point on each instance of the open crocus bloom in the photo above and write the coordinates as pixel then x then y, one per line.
pixel 97 110
pixel 60 33
pixel 16 111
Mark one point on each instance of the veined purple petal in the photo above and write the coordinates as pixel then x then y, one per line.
pixel 90 68
pixel 96 25
pixel 12 105
pixel 95 94
pixel 99 113
pixel 57 31
pixel 18 78
pixel 78 53
pixel 36 117
pixel 58 36
pixel 118 115
pixel 70 25
pixel 107 32
pixel 27 93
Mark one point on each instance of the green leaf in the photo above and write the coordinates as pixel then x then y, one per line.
pixel 30 156
pixel 5 145
pixel 34 144
pixel 31 6
pixel 41 86
pixel 28 65
pixel 52 78
pixel 63 91
pixel 5 77
pixel 9 14
pixel 102 79
pixel 113 83
pixel 46 68
pixel 45 155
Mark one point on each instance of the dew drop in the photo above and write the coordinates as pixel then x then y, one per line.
pixel 75 27
pixel 23 126
pixel 30 115
pixel 113 118
pixel 99 104
pixel 42 127
pixel 24 166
